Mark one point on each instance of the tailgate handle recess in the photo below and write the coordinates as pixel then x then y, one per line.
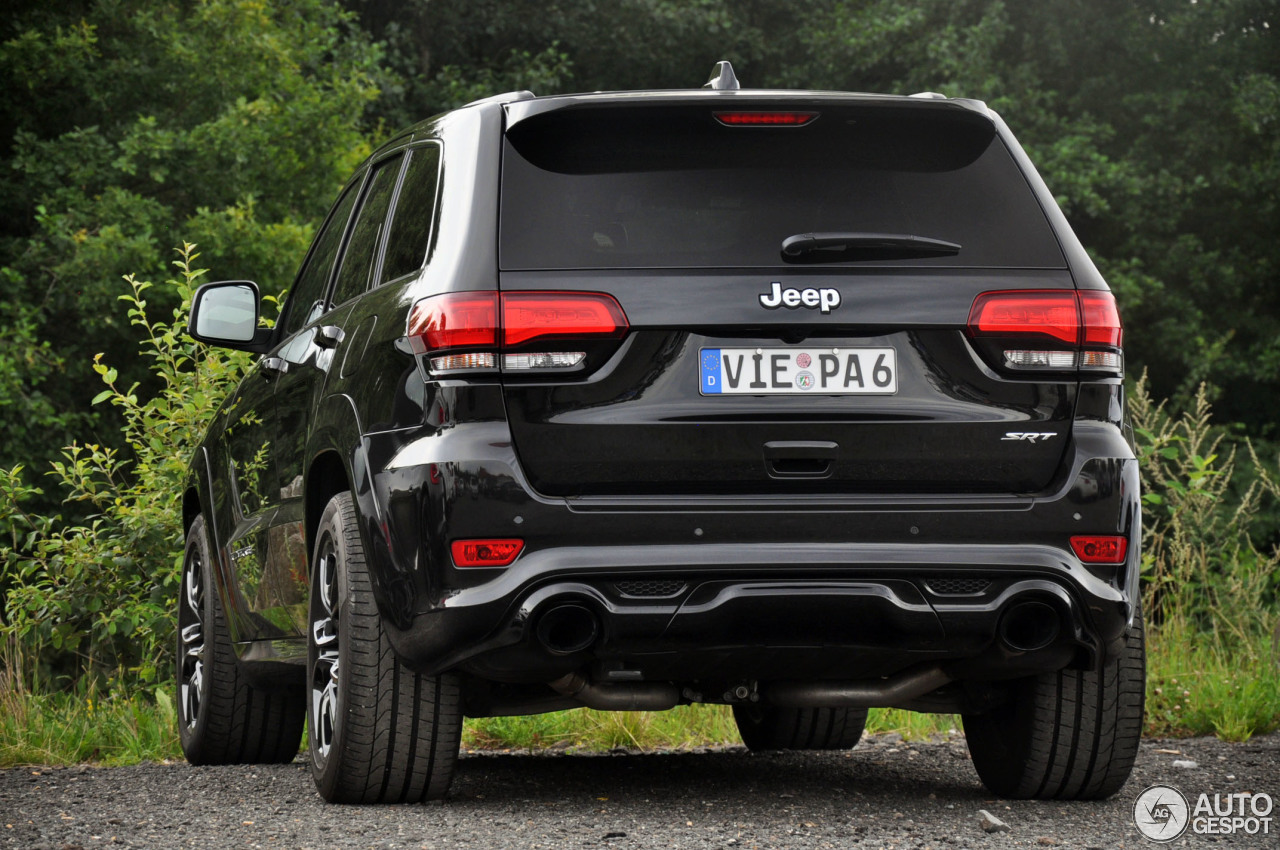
pixel 799 458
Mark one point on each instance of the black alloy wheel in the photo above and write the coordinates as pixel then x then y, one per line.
pixel 222 717
pixel 379 732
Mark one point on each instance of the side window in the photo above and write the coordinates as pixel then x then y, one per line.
pixel 362 249
pixel 409 242
pixel 307 299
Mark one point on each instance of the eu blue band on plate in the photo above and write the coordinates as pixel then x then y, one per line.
pixel 711 381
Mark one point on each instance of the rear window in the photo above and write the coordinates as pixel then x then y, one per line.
pixel 663 187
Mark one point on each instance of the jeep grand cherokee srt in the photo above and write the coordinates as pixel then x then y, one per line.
pixel 800 402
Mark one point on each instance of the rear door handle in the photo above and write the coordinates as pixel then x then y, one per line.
pixel 272 366
pixel 328 336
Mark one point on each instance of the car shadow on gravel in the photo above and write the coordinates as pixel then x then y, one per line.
pixel 878 771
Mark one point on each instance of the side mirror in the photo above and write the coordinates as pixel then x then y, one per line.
pixel 226 313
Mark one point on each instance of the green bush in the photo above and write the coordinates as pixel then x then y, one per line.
pixel 92 600
pixel 97 597
pixel 1209 589
pixel 1200 565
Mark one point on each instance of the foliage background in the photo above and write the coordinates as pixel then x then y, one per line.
pixel 128 127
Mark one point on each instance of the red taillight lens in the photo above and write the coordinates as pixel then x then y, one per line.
pixel 528 316
pixel 1062 329
pixel 500 321
pixel 1055 313
pixel 485 553
pixel 1100 318
pixel 455 320
pixel 765 119
pixel 1100 549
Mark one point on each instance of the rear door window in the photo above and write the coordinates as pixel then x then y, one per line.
pixel 362 249
pixel 306 302
pixel 414 216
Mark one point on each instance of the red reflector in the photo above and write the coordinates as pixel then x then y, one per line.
pixel 1100 549
pixel 455 320
pixel 765 119
pixel 1101 319
pixel 533 315
pixel 1052 312
pixel 485 553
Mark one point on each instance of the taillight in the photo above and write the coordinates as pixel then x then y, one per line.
pixel 500 329
pixel 454 320
pixel 485 553
pixel 1100 319
pixel 765 119
pixel 1056 314
pixel 527 316
pixel 1100 548
pixel 1055 330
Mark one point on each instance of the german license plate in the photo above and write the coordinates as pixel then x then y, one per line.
pixel 798 371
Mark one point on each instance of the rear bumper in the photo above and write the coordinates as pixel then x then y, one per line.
pixel 693 590
pixel 852 612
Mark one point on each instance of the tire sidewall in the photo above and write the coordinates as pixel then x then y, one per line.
pixel 192 737
pixel 327 770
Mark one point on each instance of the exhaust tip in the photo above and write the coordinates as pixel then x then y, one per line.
pixel 1029 626
pixel 566 629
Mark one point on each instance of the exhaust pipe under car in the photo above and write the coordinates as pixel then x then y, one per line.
pixel 632 696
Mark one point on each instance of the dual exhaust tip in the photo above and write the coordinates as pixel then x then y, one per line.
pixel 1029 626
pixel 567 628
pixel 570 627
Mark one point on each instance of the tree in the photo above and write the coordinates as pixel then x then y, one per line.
pixel 1156 123
pixel 128 127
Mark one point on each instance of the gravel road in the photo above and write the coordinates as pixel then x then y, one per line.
pixel 884 793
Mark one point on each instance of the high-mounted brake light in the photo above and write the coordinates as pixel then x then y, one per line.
pixel 765 119
pixel 488 325
pixel 1056 329
pixel 1100 548
pixel 485 553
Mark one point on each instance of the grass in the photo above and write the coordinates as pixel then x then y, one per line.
pixel 1192 689
pixel 684 727
pixel 1198 687
pixel 69 728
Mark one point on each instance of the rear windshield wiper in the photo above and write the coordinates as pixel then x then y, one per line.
pixel 835 247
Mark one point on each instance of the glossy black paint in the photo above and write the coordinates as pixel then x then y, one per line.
pixel 623 474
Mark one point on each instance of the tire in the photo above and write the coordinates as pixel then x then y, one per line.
pixel 378 732
pixel 1070 735
pixel 222 718
pixel 766 728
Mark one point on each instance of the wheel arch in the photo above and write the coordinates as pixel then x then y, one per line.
pixel 334 440
pixel 190 506
pixel 197 498
pixel 326 477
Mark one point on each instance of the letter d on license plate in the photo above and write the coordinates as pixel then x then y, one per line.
pixel 798 371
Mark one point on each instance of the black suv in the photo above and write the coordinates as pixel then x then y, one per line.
pixel 800 402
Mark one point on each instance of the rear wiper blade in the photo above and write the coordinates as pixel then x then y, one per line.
pixel 834 247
